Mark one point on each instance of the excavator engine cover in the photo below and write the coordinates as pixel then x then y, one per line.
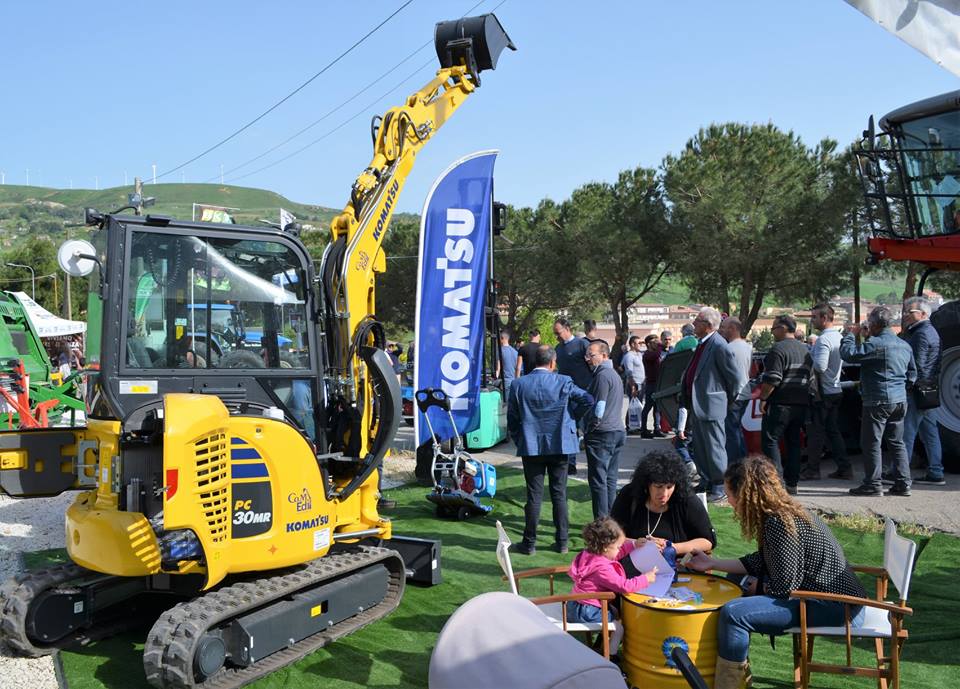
pixel 481 38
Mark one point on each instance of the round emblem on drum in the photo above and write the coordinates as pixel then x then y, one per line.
pixel 669 644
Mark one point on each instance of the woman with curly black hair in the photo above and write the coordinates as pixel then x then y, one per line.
pixel 659 504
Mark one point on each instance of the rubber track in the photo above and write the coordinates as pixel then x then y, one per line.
pixel 171 644
pixel 16 596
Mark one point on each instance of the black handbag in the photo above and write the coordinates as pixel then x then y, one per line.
pixel 926 396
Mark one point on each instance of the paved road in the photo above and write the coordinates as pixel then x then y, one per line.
pixel 935 507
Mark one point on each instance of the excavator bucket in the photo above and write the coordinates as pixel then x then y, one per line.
pixel 472 41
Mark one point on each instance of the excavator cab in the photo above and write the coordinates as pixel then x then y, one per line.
pixel 171 307
pixel 911 170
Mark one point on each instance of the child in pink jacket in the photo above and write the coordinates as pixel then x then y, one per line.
pixel 597 569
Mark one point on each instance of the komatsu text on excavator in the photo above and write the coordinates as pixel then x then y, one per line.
pixel 223 493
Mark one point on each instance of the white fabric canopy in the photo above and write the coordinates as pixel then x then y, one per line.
pixel 44 322
pixel 933 28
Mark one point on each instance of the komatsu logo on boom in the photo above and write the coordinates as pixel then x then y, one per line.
pixel 455 363
pixel 385 213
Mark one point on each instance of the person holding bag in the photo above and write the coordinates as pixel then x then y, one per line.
pixel 920 419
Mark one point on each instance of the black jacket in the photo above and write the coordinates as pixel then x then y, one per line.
pixel 924 340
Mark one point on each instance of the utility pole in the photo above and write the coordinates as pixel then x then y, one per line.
pixel 138 190
pixel 67 309
pixel 154 166
pixel 856 272
pixel 55 296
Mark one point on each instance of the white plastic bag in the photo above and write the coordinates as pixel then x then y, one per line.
pixel 634 410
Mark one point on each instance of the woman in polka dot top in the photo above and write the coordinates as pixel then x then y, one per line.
pixel 796 551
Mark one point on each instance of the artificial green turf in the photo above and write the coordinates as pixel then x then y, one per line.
pixel 395 651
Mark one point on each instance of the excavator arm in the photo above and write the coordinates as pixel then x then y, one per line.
pixel 355 255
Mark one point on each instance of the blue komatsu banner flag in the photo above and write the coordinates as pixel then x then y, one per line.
pixel 455 236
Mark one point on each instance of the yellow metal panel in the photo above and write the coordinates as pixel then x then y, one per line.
pixel 109 541
pixel 195 464
pixel 13 459
pixel 238 472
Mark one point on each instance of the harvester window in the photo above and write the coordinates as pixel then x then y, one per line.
pixel 214 303
pixel 931 161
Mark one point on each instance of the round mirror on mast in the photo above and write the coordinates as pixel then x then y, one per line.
pixel 77 257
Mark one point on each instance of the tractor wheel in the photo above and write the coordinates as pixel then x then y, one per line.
pixel 949 412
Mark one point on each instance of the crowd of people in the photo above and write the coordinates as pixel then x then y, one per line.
pixel 573 393
pixel 799 393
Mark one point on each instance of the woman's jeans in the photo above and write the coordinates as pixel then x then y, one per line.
pixel 769 615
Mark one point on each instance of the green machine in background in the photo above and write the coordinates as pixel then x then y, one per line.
pixel 21 345
pixel 493 421
pixel 19 340
pixel 492 427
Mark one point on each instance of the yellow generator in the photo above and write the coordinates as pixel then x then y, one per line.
pixel 239 408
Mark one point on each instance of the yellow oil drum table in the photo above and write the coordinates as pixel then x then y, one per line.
pixel 653 626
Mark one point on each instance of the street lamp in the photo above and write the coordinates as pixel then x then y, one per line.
pixel 56 293
pixel 33 278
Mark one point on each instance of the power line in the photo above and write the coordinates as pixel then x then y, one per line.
pixel 340 126
pixel 289 95
pixel 338 107
pixel 325 115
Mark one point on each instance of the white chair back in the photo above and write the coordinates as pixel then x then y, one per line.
pixel 898 555
pixel 503 556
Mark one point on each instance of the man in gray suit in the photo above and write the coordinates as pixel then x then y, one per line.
pixel 710 386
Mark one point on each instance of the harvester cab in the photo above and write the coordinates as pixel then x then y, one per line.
pixel 910 171
pixel 253 469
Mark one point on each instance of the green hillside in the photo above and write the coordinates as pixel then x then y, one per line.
pixel 20 204
pixel 671 291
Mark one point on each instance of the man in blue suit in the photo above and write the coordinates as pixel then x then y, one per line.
pixel 711 384
pixel 542 409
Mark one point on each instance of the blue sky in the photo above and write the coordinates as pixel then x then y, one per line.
pixel 107 88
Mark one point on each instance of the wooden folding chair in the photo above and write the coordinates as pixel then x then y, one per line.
pixel 883 620
pixel 554 606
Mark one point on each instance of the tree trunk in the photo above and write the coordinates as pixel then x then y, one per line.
pixel 746 289
pixel 755 309
pixel 910 285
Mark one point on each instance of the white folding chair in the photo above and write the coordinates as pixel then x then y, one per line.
pixel 554 606
pixel 883 620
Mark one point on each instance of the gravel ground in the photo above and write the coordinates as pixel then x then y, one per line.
pixel 28 525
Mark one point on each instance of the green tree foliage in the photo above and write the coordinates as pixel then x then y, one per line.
pixel 535 266
pixel 763 215
pixel 762 341
pixel 397 288
pixel 41 255
pixel 623 239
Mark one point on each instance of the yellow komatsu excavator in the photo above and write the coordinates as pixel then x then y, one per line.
pixel 236 425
